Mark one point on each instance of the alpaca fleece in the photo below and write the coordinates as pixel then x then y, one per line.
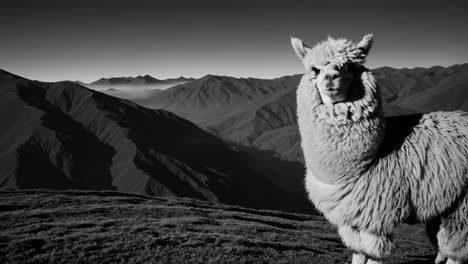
pixel 368 174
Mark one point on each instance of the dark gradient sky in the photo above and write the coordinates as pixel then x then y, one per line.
pixel 86 40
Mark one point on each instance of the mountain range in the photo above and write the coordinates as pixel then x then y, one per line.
pixel 217 138
pixel 133 87
pixel 65 136
pixel 139 80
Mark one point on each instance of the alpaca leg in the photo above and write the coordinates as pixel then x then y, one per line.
pixel 451 261
pixel 453 234
pixel 374 246
pixel 432 228
pixel 374 261
pixel 440 259
pixel 359 258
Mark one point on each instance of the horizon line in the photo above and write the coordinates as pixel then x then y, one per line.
pixel 220 75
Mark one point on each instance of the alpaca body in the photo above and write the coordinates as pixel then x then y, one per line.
pixel 429 166
pixel 367 174
pixel 419 171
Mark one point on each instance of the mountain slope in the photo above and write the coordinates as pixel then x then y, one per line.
pixel 110 227
pixel 237 110
pixel 62 135
pixel 267 125
pixel 213 96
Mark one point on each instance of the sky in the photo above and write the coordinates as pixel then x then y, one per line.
pixel 87 40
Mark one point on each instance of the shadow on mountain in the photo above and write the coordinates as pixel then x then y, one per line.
pixel 86 162
pixel 287 175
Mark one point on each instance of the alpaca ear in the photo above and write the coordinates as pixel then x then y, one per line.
pixel 366 43
pixel 299 47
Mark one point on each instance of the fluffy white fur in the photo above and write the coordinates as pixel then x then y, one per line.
pixel 368 174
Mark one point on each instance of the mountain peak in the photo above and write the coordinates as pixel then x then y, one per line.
pixel 145 77
pixel 216 77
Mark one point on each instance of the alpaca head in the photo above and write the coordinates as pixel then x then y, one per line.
pixel 333 65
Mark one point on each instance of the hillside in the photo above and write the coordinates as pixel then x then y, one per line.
pixel 109 227
pixel 65 136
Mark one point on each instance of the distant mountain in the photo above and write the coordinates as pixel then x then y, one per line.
pixel 139 80
pixel 213 96
pixel 65 136
pixel 262 113
pixel 237 110
pixel 425 90
pixel 133 88
pixel 180 79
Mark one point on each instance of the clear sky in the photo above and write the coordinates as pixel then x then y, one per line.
pixel 86 40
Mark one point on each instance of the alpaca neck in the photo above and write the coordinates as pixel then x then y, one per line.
pixel 339 141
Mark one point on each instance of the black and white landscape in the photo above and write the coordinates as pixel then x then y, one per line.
pixel 166 131
pixel 244 151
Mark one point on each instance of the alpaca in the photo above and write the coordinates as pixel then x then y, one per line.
pixel 367 174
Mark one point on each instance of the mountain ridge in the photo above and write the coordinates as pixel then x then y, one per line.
pixel 138 80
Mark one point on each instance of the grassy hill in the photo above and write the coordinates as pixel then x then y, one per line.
pixel 44 226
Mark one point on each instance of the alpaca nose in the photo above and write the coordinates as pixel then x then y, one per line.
pixel 331 76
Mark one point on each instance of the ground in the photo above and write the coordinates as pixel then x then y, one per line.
pixel 42 226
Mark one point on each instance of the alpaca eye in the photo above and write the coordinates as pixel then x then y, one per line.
pixel 316 70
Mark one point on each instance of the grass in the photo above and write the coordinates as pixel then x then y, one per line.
pixel 109 227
